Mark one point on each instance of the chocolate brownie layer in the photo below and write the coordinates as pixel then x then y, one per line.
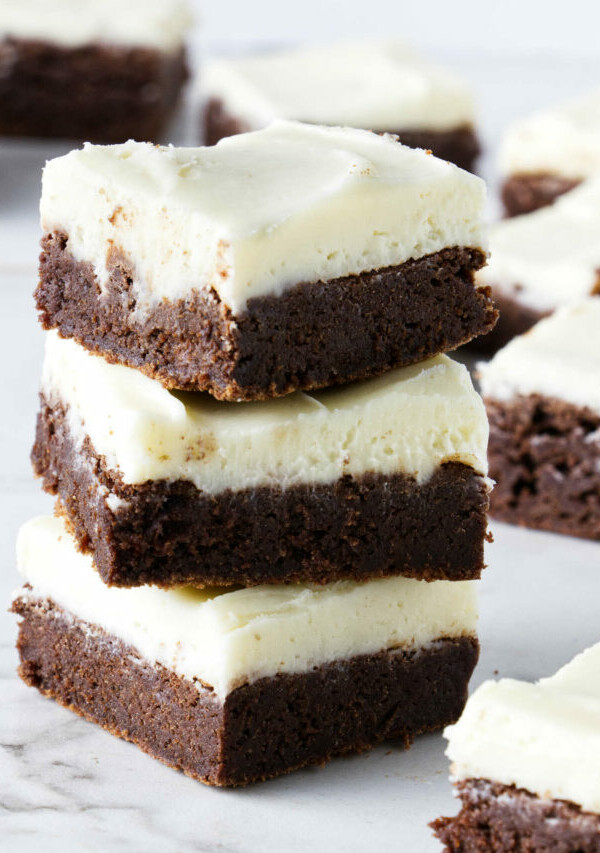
pixel 261 729
pixel 170 533
pixel 459 145
pixel 526 193
pixel 544 455
pixel 312 336
pixel 95 92
pixel 501 818
pixel 514 319
pixel 218 123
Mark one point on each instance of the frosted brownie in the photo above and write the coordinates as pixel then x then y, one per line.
pixel 294 257
pixel 82 69
pixel 541 261
pixel 235 687
pixel 378 478
pixel 542 394
pixel 380 86
pixel 525 761
pixel 549 153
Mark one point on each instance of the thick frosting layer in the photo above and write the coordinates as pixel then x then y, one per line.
pixel 160 24
pixel 258 212
pixel 559 357
pixel 549 257
pixel 564 140
pixel 411 419
pixel 225 638
pixel 381 86
pixel 543 737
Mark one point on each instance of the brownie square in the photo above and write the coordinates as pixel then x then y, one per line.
pixel 296 257
pixel 237 686
pixel 541 394
pixel 379 478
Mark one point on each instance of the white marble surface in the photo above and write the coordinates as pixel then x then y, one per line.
pixel 65 785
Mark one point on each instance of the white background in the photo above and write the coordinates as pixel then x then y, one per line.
pixel 529 26
pixel 65 785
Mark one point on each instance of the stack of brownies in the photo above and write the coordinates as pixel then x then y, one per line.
pixel 271 481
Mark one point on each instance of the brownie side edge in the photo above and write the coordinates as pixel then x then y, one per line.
pixel 262 729
pixel 170 533
pixel 544 455
pixel 503 818
pixel 312 336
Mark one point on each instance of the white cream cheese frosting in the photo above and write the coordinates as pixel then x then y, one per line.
pixel 559 357
pixel 564 140
pixel 258 212
pixel 544 737
pixel 383 86
pixel 226 638
pixel 158 24
pixel 409 420
pixel 550 257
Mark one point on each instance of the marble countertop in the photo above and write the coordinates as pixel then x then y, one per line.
pixel 66 785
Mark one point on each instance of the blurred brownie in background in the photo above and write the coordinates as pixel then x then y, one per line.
pixel 105 71
pixel 541 261
pixel 385 87
pixel 542 394
pixel 550 153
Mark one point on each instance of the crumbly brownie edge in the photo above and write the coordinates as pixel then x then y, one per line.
pixel 312 336
pixel 262 729
pixel 514 319
pixel 544 455
pixel 458 144
pixel 99 92
pixel 524 193
pixel 169 533
pixel 497 818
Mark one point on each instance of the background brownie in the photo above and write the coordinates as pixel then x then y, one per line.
pixel 549 153
pixel 380 86
pixel 524 761
pixel 524 193
pixel 541 261
pixel 543 402
pixel 108 73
